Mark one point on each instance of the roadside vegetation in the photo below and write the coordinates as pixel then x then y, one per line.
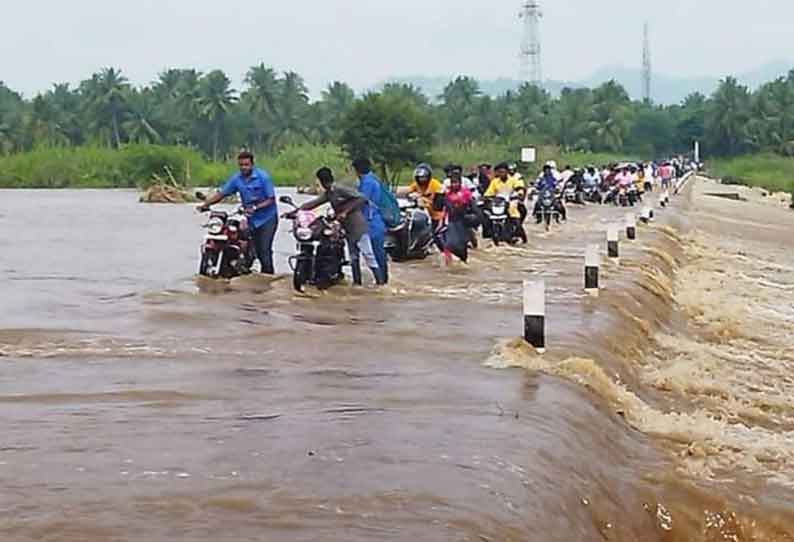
pixel 108 133
pixel 769 171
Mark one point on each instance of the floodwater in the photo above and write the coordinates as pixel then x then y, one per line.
pixel 140 403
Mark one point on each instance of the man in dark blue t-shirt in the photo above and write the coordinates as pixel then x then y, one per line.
pixel 259 200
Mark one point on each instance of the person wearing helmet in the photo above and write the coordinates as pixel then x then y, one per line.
pixel 547 182
pixel 429 192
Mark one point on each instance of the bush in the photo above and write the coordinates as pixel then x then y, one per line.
pixel 97 167
pixel 770 171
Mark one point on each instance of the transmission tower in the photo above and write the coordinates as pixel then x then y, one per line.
pixel 531 68
pixel 646 65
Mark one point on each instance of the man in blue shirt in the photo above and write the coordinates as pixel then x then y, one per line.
pixel 370 187
pixel 259 200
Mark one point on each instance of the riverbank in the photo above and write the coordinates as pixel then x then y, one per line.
pixel 770 172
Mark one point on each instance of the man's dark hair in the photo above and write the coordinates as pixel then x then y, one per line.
pixel 325 176
pixel 362 166
pixel 246 155
pixel 502 165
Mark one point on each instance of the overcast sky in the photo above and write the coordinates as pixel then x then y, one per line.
pixel 364 41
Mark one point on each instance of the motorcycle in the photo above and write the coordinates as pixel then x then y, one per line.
pixel 320 257
pixel 634 195
pixel 412 239
pixel 622 198
pixel 572 193
pixel 228 250
pixel 548 208
pixel 496 215
pixel 592 194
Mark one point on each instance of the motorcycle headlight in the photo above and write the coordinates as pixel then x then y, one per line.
pixel 303 234
pixel 498 209
pixel 328 232
pixel 215 226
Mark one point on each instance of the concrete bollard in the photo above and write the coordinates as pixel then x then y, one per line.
pixel 631 226
pixel 535 314
pixel 645 215
pixel 591 264
pixel 613 239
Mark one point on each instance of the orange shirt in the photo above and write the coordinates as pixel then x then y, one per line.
pixel 427 195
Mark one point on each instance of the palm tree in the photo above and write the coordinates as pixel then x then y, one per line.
pixel 293 110
pixel 337 101
pixel 458 109
pixel 107 94
pixel 727 117
pixel 140 126
pixel 261 100
pixel 572 113
pixel 610 119
pixel 47 122
pixel 215 99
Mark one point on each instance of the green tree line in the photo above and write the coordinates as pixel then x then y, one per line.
pixel 273 111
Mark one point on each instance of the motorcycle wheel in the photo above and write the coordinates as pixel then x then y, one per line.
pixel 496 235
pixel 548 222
pixel 301 274
pixel 207 262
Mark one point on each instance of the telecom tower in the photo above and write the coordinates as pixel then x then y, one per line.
pixel 646 65
pixel 530 45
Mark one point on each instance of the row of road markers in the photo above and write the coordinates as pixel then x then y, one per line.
pixel 535 291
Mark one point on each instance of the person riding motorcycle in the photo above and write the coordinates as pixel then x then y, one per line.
pixel 591 178
pixel 548 182
pixel 484 175
pixel 514 192
pixel 429 193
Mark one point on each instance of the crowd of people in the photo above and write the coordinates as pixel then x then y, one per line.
pixel 454 205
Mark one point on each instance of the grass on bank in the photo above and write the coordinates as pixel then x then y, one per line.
pixel 770 171
pixel 136 166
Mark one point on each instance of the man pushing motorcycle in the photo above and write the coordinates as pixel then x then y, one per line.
pixel 259 201
pixel 347 205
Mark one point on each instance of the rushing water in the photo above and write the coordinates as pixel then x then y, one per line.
pixel 139 403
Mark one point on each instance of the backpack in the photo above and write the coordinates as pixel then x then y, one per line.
pixel 389 208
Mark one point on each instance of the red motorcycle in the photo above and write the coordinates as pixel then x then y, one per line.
pixel 227 250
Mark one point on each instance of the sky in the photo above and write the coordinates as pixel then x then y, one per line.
pixel 363 42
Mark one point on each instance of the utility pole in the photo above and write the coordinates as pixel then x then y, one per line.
pixel 531 67
pixel 646 65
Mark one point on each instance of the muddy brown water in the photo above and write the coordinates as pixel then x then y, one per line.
pixel 140 403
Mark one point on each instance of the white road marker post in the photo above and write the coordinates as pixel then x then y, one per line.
pixel 631 226
pixel 591 264
pixel 535 314
pixel 613 241
pixel 645 216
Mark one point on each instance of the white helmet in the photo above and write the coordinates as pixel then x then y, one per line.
pixel 552 164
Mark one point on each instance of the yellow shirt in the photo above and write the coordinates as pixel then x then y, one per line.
pixel 498 187
pixel 427 194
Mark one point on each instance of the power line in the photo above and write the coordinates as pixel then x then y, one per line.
pixel 531 67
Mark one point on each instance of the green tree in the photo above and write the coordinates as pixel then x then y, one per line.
pixel 570 118
pixel 459 115
pixel 610 120
pixel 215 99
pixel 726 118
pixel 392 131
pixel 140 126
pixel 106 93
